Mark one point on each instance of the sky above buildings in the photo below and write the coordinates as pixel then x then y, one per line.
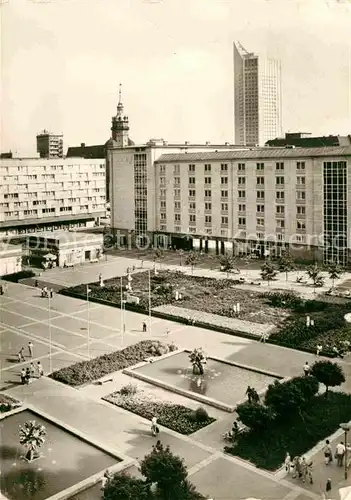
pixel 62 61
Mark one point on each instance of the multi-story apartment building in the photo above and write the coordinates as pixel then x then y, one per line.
pixel 261 200
pixel 43 194
pixel 257 98
pixel 50 145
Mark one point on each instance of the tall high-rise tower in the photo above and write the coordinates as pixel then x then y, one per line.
pixel 120 124
pixel 257 98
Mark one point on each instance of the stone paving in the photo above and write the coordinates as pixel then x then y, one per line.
pixel 24 316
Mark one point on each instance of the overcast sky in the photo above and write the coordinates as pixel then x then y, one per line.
pixel 62 61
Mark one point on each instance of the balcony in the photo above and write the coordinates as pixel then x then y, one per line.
pixel 224 224
pixel 208 224
pixel 208 211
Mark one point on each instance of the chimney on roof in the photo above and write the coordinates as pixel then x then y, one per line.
pixel 226 143
pixel 208 143
pixel 82 144
pixel 186 143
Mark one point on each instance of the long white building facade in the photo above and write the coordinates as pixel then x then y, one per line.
pixel 262 200
pixel 50 194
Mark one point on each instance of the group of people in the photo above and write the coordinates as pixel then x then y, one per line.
pixel 299 467
pixel 252 395
pixel 232 435
pixel 31 371
pixel 339 455
pixel 339 349
pixel 47 293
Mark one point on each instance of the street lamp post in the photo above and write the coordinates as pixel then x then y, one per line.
pixel 149 273
pixel 50 337
pixel 346 428
pixel 88 304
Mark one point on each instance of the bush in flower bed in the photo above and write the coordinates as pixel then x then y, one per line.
pixel 296 432
pixel 179 418
pixel 93 369
pixel 8 403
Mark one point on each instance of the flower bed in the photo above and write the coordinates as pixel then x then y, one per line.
pixel 8 403
pixel 179 418
pixel 88 371
pixel 297 434
pixel 330 328
pixel 204 318
pixel 216 296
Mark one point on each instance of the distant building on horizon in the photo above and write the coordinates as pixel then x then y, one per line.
pixel 257 98
pixel 50 146
pixel 306 140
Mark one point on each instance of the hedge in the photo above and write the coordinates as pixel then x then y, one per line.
pixel 16 277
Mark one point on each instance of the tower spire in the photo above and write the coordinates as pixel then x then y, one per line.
pixel 120 94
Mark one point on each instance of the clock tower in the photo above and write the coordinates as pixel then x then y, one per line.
pixel 120 124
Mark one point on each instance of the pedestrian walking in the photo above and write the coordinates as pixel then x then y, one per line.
pixel 30 348
pixel 40 370
pixel 328 486
pixel 328 452
pixel 51 292
pixel 23 376
pixel 287 462
pixel 168 331
pixel 248 393
pixel 144 327
pixel 154 427
pixel 107 475
pixel 306 470
pixel 32 370
pixel 5 287
pixel 28 380
pixel 158 446
pixel 306 368
pixel 255 397
pixel 319 349
pixel 21 355
pixel 297 467
pixel 264 337
pixel 235 430
pixel 339 454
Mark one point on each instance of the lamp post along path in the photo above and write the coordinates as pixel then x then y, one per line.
pixel 50 337
pixel 88 303
pixel 149 301
pixel 346 428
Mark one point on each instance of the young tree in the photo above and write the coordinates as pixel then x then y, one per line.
pixel 285 398
pixel 314 273
pixel 192 259
pixel 227 263
pixel 334 271
pixel 169 473
pixel 285 265
pixel 268 272
pixel 254 415
pixel 32 436
pixel 328 373
pixel 120 487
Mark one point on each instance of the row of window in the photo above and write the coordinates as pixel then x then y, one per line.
pixel 280 223
pixel 280 209
pixel 260 195
pixel 279 166
pixel 279 180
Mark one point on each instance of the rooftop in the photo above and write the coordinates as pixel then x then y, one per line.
pixel 259 153
pixel 67 236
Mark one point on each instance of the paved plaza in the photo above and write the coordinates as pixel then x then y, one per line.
pixel 79 330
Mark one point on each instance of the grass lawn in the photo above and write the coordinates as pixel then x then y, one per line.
pixel 201 294
pixel 296 434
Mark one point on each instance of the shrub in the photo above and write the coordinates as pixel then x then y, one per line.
pixel 16 277
pixel 8 403
pixel 328 373
pixel 201 415
pixel 289 300
pixel 254 415
pixel 128 390
pixel 308 386
pixel 285 398
pixel 122 487
pixel 93 369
